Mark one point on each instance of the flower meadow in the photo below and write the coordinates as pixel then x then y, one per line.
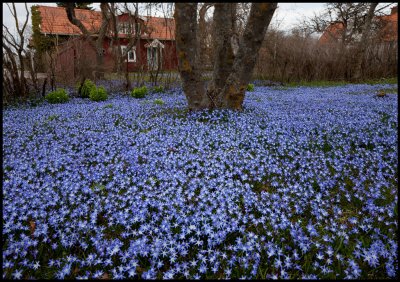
pixel 301 184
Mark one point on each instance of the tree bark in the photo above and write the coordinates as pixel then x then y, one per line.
pixel 224 32
pixel 98 43
pixel 362 45
pixel 186 45
pixel 231 73
pixel 234 90
pixel 202 34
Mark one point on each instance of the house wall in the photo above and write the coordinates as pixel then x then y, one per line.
pixel 76 57
pixel 73 59
pixel 170 61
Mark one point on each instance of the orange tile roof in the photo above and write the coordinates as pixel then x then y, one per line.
pixel 160 28
pixel 332 33
pixel 55 21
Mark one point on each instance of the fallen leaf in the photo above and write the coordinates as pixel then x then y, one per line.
pixel 32 226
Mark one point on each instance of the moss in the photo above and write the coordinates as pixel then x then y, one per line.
pixel 186 65
pixel 181 55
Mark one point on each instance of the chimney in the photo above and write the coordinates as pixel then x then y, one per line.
pixel 394 10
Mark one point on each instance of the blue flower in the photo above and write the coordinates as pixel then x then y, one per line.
pixel 188 194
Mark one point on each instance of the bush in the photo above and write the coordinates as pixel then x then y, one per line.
pixel 250 87
pixel 87 87
pixel 139 92
pixel 159 102
pixel 158 89
pixel 58 96
pixel 98 94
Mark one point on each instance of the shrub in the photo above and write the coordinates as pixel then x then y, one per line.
pixel 139 92
pixel 87 87
pixel 250 87
pixel 158 89
pixel 98 94
pixel 57 96
pixel 159 102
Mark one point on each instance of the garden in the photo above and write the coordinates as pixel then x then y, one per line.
pixel 301 184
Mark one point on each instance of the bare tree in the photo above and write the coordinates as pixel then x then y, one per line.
pixel 362 45
pixel 345 18
pixel 15 46
pixel 133 28
pixel 97 44
pixel 16 57
pixel 229 92
pixel 348 26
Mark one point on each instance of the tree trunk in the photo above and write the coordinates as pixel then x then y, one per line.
pixel 362 46
pixel 224 32
pixel 186 47
pixel 253 36
pixel 99 70
pixel 98 43
pixel 231 73
pixel 202 35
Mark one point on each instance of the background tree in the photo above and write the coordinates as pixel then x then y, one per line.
pixel 97 44
pixel 133 35
pixel 351 25
pixel 19 70
pixel 41 43
pixel 237 69
pixel 363 43
pixel 13 47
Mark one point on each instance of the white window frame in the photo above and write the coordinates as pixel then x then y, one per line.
pixel 126 28
pixel 123 28
pixel 131 53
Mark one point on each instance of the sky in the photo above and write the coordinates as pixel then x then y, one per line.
pixel 287 16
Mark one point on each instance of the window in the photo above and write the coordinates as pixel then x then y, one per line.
pixel 126 28
pixel 154 57
pixel 131 53
pixel 123 28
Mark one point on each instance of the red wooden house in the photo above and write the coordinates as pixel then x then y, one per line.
pixel 154 50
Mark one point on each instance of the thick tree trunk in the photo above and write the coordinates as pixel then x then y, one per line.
pixel 231 73
pixel 186 46
pixel 224 31
pixel 362 46
pixel 233 92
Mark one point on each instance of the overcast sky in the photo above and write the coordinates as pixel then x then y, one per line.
pixel 287 16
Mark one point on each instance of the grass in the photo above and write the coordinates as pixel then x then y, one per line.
pixel 331 83
pixel 163 76
pixel 316 83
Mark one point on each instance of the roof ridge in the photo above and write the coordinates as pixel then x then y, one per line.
pixel 64 8
pixel 99 12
